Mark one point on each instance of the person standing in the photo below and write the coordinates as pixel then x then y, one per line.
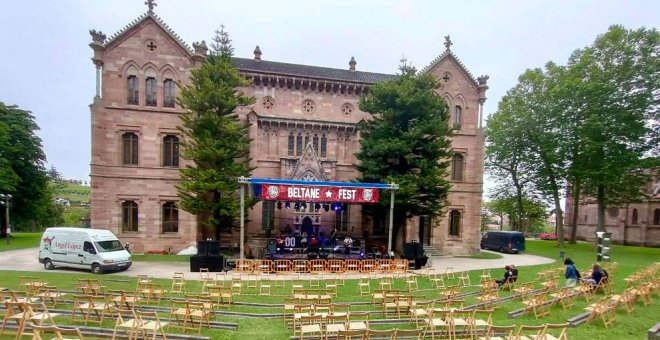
pixel 571 274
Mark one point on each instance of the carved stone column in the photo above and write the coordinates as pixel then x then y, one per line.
pixel 99 66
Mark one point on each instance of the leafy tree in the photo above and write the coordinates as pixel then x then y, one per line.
pixel 406 141
pixel 22 172
pixel 215 142
pixel 617 80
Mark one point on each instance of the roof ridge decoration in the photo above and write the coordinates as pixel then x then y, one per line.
pixel 159 21
pixel 448 53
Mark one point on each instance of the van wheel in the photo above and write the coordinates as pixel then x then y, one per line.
pixel 48 264
pixel 96 269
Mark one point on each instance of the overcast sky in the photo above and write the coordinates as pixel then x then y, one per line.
pixel 45 61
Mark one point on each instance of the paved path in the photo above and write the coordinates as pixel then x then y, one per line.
pixel 27 260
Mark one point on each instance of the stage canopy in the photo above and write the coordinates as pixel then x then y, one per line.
pixel 308 191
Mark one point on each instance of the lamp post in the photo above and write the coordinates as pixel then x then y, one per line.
pixel 6 197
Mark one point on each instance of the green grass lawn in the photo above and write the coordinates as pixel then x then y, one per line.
pixel 20 241
pixel 626 327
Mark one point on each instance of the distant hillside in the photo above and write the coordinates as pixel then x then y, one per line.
pixel 75 193
pixel 77 213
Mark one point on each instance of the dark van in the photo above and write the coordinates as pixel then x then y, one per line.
pixel 504 241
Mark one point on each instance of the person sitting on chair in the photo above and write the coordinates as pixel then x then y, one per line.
pixel 595 277
pixel 348 243
pixel 514 272
pixel 507 275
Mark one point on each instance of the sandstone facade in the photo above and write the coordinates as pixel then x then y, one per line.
pixel 303 126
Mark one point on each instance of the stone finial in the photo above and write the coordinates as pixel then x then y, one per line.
pixel 151 4
pixel 352 64
pixel 257 54
pixel 97 36
pixel 448 42
pixel 482 80
pixel 200 47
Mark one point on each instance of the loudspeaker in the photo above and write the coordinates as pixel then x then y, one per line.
pixel 215 263
pixel 412 250
pixel 202 248
pixel 213 247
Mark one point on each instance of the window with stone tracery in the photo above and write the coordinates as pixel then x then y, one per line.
pixel 458 117
pixel 291 143
pixel 347 109
pixel 324 146
pixel 299 146
pixel 268 103
pixel 308 106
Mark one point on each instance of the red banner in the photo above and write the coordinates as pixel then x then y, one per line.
pixel 274 192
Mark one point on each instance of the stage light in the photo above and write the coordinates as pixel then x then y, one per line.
pixel 326 207
pixel 336 206
pixel 279 205
pixel 296 206
pixel 303 206
pixel 287 205
pixel 317 207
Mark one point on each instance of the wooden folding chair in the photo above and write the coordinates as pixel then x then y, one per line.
pixel 358 321
pixel 437 280
pixel 179 313
pixel 178 283
pixel 149 322
pixel 60 333
pixel 49 294
pixel 418 333
pixel 439 319
pixel 17 312
pixel 530 332
pixel 352 334
pixel 464 279
pixel 420 311
pixel 382 334
pixel 537 304
pixel 565 297
pixel 310 325
pixel 555 331
pixel 333 324
pixel 197 315
pixel 40 313
pixel 603 309
pixel 264 285
pixel 586 289
pixel 90 305
pixel 314 278
pixel 499 333
pixel 449 273
pixel 411 283
pixel 125 322
pixel 153 291
pixel 450 293
pixel 364 285
pixel 485 276
pixel 627 299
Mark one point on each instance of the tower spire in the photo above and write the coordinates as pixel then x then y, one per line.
pixel 151 4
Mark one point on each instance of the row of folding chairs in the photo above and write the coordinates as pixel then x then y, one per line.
pixel 323 266
pixel 24 314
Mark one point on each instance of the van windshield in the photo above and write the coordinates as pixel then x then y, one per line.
pixel 108 246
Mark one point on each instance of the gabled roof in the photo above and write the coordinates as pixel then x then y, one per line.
pixel 449 54
pixel 272 67
pixel 146 16
pixel 308 162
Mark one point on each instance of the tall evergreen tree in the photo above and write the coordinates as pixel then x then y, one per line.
pixel 406 141
pixel 215 142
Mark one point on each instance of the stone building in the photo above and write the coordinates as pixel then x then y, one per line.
pixel 303 126
pixel 632 223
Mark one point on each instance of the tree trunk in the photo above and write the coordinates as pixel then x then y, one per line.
pixel 519 200
pixel 576 210
pixel 559 217
pixel 3 226
pixel 601 207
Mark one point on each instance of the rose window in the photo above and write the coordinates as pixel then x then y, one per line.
pixel 347 109
pixel 308 106
pixel 268 102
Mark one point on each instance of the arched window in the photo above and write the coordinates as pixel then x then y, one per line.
pixel 171 150
pixel 133 91
pixel 170 218
pixel 130 148
pixel 299 144
pixel 457 167
pixel 315 143
pixel 324 146
pixel 151 88
pixel 291 143
pixel 129 216
pixel 656 217
pixel 458 116
pixel 169 93
pixel 455 223
pixel 635 217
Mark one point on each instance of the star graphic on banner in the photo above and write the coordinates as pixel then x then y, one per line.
pixel 328 194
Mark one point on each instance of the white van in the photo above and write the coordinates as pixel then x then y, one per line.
pixel 96 249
